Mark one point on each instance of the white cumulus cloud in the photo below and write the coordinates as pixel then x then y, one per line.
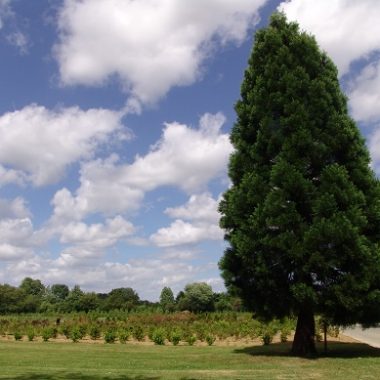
pixel 346 29
pixel 349 31
pixel 16 238
pixel 150 45
pixel 374 148
pixel 365 93
pixel 201 207
pixel 37 144
pixel 15 208
pixel 184 157
pixel 97 235
pixel 199 221
pixel 147 276
pixel 182 233
pixel 15 230
pixel 9 252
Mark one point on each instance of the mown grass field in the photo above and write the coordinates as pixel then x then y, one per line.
pixel 71 361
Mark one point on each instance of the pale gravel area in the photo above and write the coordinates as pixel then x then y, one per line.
pixel 370 336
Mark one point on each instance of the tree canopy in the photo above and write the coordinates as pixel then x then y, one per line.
pixel 302 216
pixel 32 287
pixel 32 296
pixel 122 298
pixel 197 297
pixel 167 300
pixel 59 291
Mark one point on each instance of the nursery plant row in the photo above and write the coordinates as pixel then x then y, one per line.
pixel 160 328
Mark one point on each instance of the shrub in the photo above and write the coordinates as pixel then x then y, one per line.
pixel 151 331
pixel 223 329
pixel 201 332
pixel 17 335
pixel 175 337
pixel 159 336
pixel 285 332
pixel 31 335
pixel 191 339
pixel 138 333
pixel 169 333
pixel 82 331
pixel 267 337
pixel 256 329
pixel 124 335
pixel 269 330
pixel 320 324
pixel 76 334
pixel 210 339
pixel 66 331
pixel 94 332
pixel 53 332
pixel 110 336
pixel 333 331
pixel 46 334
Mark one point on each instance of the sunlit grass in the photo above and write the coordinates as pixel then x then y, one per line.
pixel 69 361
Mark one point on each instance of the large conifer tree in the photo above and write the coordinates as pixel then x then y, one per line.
pixel 302 216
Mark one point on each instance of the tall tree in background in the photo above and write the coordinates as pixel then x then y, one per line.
pixel 122 298
pixel 32 287
pixel 167 301
pixel 197 297
pixel 303 214
pixel 59 291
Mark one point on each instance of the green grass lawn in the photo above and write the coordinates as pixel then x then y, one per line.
pixel 82 361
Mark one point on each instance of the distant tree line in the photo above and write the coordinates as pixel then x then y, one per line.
pixel 33 296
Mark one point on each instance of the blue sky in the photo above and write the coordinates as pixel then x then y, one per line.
pixel 114 123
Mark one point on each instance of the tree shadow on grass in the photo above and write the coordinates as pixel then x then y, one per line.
pixel 77 376
pixel 334 350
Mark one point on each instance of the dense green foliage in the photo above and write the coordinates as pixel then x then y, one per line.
pixel 59 291
pixel 14 300
pixel 32 287
pixel 32 296
pixel 160 328
pixel 122 298
pixel 303 215
pixel 167 301
pixel 197 296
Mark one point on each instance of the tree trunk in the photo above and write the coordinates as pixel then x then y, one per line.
pixel 304 338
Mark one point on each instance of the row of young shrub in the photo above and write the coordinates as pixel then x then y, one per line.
pixel 158 335
pixel 222 325
pixel 158 327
